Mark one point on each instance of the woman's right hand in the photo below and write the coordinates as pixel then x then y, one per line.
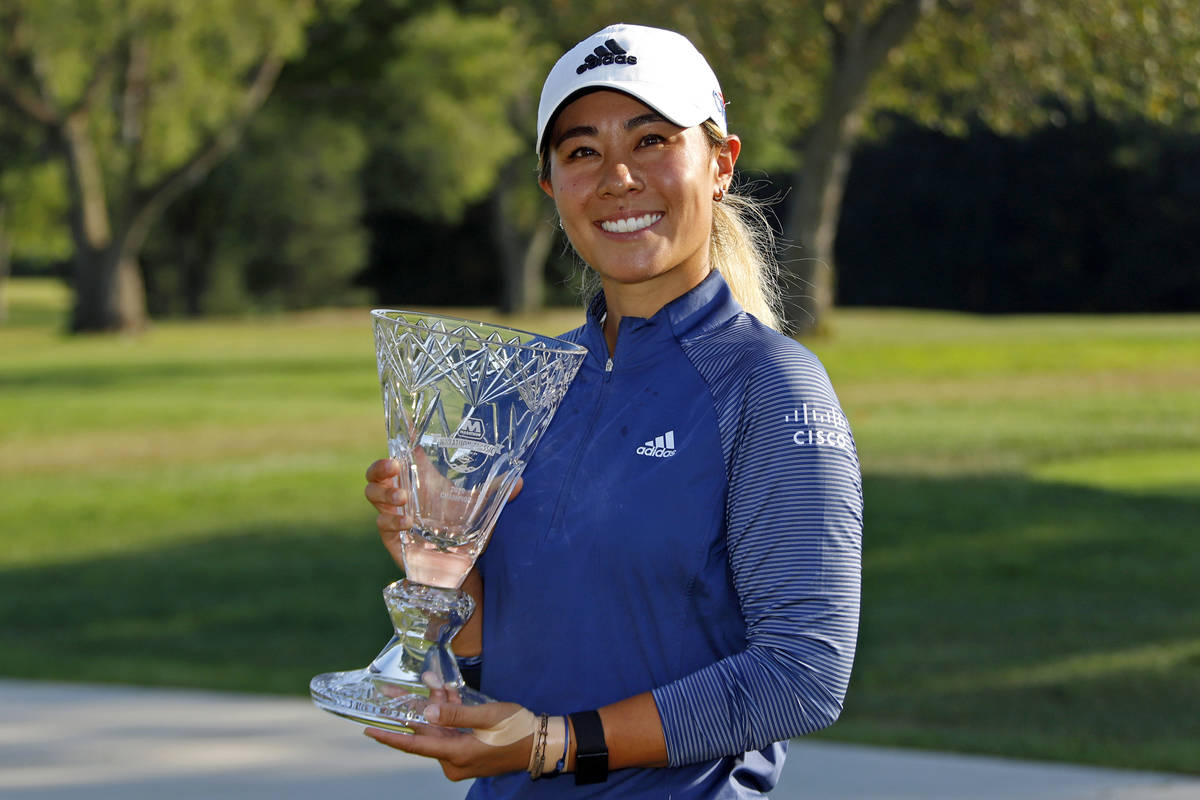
pixel 384 492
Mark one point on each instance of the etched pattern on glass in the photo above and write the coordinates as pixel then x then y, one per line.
pixel 465 404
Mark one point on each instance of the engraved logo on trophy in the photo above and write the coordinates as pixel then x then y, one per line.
pixel 465 404
pixel 467 449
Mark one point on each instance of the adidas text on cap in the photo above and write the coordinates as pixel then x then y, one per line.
pixel 659 67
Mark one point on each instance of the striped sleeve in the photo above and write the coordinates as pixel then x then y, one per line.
pixel 794 537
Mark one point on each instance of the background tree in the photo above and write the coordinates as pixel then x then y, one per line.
pixel 805 81
pixel 467 81
pixel 140 99
pixel 796 77
pixel 10 145
pixel 437 104
pixel 277 225
pixel 32 204
pixel 441 95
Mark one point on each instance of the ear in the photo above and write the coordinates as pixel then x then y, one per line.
pixel 726 157
pixel 547 187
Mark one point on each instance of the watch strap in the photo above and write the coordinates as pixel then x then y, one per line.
pixel 591 751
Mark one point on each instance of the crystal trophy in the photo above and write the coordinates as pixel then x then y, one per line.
pixel 465 403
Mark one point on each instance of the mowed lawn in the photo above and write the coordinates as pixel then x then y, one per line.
pixel 184 508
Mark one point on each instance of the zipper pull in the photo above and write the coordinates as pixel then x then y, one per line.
pixel 608 367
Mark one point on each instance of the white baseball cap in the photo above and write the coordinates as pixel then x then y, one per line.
pixel 659 67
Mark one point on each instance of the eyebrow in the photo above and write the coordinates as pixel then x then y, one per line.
pixel 588 130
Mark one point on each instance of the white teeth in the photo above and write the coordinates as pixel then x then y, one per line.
pixel 632 224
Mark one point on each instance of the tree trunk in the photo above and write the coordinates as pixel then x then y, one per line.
pixel 109 292
pixel 522 254
pixel 813 219
pixel 528 292
pixel 813 215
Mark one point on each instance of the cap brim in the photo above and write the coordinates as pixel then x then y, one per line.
pixel 653 95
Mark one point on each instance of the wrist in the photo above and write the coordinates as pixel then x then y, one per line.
pixel 549 747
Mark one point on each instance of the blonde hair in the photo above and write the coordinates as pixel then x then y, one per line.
pixel 741 246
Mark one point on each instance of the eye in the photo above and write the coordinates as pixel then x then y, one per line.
pixel 580 152
pixel 652 140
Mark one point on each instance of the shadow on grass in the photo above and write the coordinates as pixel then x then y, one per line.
pixel 1000 615
pixel 1011 616
pixel 261 610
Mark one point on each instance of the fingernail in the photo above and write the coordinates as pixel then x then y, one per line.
pixel 432 713
pixel 396 497
pixel 432 680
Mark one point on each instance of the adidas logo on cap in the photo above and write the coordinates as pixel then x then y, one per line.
pixel 608 53
pixel 668 74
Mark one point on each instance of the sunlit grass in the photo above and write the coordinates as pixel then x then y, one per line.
pixel 184 507
pixel 1168 471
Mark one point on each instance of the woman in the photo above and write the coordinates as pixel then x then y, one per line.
pixel 675 589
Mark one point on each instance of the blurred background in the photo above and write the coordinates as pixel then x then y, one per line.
pixel 988 217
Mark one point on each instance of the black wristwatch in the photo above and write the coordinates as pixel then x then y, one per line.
pixel 591 751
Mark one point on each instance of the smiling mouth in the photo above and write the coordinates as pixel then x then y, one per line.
pixel 631 224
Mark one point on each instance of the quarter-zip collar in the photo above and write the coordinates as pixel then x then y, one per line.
pixel 640 340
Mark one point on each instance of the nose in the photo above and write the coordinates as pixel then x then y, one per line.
pixel 619 180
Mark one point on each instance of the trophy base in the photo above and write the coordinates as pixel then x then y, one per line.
pixel 393 691
pixel 362 697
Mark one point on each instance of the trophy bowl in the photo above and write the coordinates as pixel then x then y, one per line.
pixel 465 404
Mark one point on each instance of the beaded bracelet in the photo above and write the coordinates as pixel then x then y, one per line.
pixel 537 757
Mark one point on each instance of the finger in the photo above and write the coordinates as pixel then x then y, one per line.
pixel 428 729
pixel 386 497
pixel 391 524
pixel 438 747
pixel 451 715
pixel 382 470
pixel 516 490
pixel 439 692
pixel 437 689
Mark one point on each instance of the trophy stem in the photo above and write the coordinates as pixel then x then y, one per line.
pixel 392 691
pixel 426 619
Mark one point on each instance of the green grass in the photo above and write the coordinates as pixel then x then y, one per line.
pixel 184 508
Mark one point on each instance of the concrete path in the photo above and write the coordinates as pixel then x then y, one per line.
pixel 102 742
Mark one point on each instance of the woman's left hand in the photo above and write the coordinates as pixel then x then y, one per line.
pixel 462 755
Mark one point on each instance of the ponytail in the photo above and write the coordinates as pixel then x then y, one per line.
pixel 742 247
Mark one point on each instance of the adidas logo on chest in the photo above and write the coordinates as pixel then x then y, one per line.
pixel 659 447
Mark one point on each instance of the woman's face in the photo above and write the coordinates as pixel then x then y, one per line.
pixel 634 193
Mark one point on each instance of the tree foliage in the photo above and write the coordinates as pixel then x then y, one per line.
pixel 277 225
pixel 139 99
pixel 1017 66
pixel 456 80
pixel 444 97
pixel 32 202
pixel 134 100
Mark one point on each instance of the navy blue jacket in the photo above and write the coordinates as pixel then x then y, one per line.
pixel 691 525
